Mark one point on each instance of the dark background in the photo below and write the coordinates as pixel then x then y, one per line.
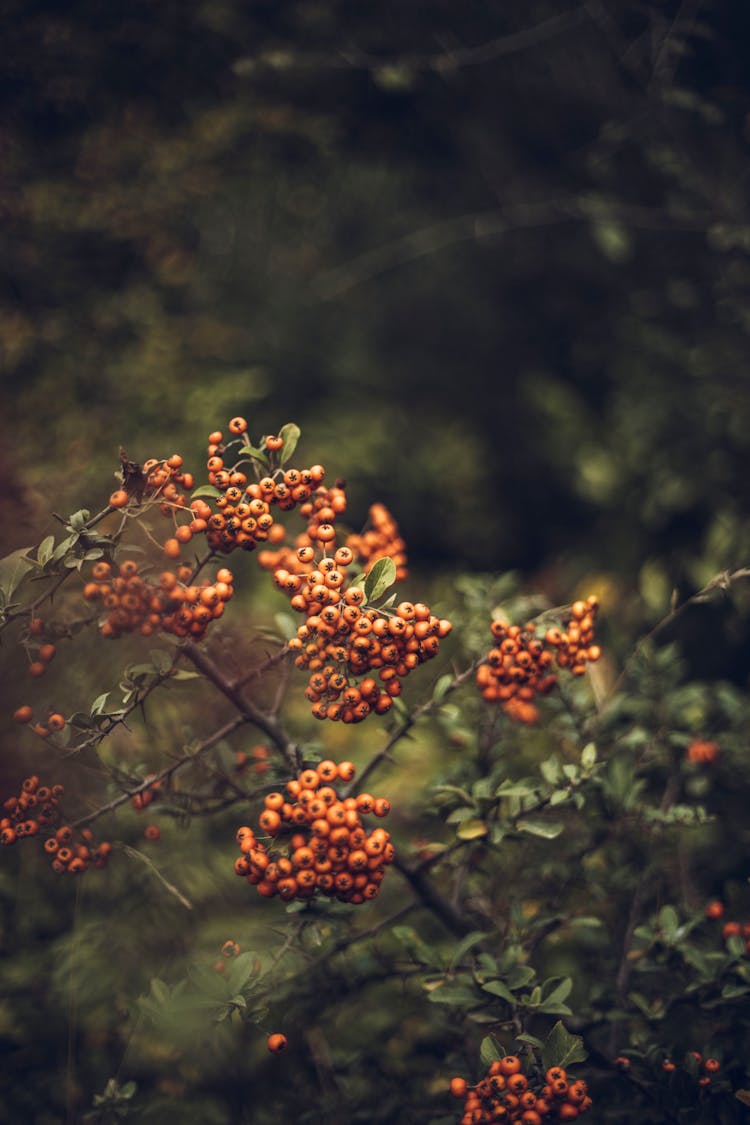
pixel 492 258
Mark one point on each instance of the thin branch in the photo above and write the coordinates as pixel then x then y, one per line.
pixel 412 718
pixel 350 58
pixel 250 713
pixel 481 225
pixel 719 583
pixel 202 748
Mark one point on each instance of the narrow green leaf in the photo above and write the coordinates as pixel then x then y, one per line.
pixel 290 434
pixel 466 944
pixel 546 829
pixel 381 576
pixel 440 690
pixel 45 549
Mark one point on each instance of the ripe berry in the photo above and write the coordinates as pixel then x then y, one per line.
pixel 276 1043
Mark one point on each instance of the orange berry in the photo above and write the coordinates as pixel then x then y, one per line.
pixel 276 1043
pixel 118 499
pixel 36 668
pixel 714 909
pixel 458 1087
pixel 172 549
pixel 23 714
pixel 237 425
pixel 47 653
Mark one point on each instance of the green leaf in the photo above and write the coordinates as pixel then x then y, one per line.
pixel 128 1090
pixel 380 578
pixel 440 690
pixel 490 1050
pixel 514 789
pixel 668 921
pixel 13 570
pixel 588 756
pixel 256 454
pixel 290 434
pixel 159 991
pixel 161 660
pixel 561 1048
pixel 466 944
pixel 241 970
pixel 524 1037
pixel 499 988
pixel 546 829
pixel 77 522
pixel 453 992
pixel 45 549
pixel 206 490
pixel 471 829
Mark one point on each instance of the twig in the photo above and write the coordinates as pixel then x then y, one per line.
pixel 250 713
pixel 207 744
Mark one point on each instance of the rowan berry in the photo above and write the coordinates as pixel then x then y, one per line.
pixel 237 425
pixel 714 909
pixel 118 499
pixel 23 714
pixel 276 1043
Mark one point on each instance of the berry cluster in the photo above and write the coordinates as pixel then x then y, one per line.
pixel 170 604
pixel 342 640
pixel 162 480
pixel 329 849
pixel 519 665
pixel 258 756
pixel 506 1094
pixel 703 1069
pixel 574 643
pixel 737 929
pixel 37 807
pixel 702 752
pixel 517 669
pixel 243 517
pixel 146 797
pixel 381 540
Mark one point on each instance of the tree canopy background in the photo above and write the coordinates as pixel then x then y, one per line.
pixel 494 257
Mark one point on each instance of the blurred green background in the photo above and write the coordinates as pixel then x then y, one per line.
pixel 491 257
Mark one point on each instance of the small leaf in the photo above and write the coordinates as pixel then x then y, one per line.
pixel 466 944
pixel 45 549
pixel 256 454
pixel 524 1037
pixel 588 756
pixel 546 829
pixel 561 1048
pixel 13 570
pixel 440 690
pixel 205 490
pixel 381 576
pixel 159 991
pixel 290 433
pixel 499 988
pixel 490 1050
pixel 471 829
